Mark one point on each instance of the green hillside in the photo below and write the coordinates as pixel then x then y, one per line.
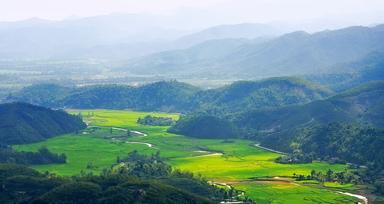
pixel 263 94
pixel 24 123
pixel 173 96
pixel 274 127
pixel 362 105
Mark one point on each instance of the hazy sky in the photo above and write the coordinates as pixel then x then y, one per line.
pixel 231 11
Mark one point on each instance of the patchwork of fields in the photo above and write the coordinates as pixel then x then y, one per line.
pixel 236 162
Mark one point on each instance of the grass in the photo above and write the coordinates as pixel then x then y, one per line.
pixel 290 193
pixel 340 186
pixel 240 161
pixel 81 151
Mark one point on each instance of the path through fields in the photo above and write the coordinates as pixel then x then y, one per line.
pixel 208 153
pixel 143 143
pixel 360 197
pixel 121 129
pixel 268 149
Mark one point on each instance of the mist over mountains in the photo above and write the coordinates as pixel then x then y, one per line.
pixel 139 48
pixel 114 36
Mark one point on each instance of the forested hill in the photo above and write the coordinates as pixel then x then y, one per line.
pixel 364 105
pixel 25 123
pixel 274 127
pixel 175 96
pixel 162 96
pixel 264 94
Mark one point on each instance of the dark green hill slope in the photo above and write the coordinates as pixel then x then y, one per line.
pixel 364 105
pixel 356 144
pixel 274 127
pixel 159 96
pixel 24 123
pixel 109 96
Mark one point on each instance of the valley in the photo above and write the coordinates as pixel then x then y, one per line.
pixel 192 102
pixel 237 162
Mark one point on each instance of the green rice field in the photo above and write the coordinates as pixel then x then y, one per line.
pixel 236 162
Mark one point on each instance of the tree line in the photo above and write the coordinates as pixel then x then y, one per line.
pixel 42 156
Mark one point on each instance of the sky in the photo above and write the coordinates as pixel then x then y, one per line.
pixel 212 11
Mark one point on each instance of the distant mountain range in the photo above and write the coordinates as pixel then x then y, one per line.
pixel 236 31
pixel 109 37
pixel 138 45
pixel 297 53
pixel 370 68
pixel 78 38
